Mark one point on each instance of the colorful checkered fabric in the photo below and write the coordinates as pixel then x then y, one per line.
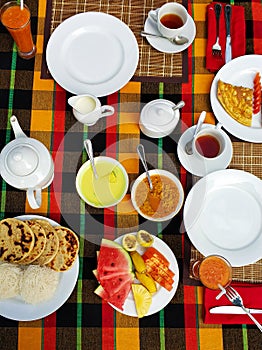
pixel 84 321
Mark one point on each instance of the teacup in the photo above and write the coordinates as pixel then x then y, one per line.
pixel 210 143
pixel 87 109
pixel 171 19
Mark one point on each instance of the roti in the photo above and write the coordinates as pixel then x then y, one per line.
pixel 16 240
pixel 40 241
pixel 237 101
pixel 68 249
pixel 52 243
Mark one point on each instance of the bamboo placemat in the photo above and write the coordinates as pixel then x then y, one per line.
pixel 247 157
pixel 153 65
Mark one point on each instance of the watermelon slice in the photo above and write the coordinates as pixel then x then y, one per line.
pixel 114 284
pixel 117 299
pixel 113 258
pixel 114 273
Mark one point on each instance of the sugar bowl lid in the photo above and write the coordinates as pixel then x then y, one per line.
pixel 158 119
pixel 25 162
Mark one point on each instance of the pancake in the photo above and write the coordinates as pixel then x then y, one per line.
pixel 68 249
pixel 237 101
pixel 40 242
pixel 16 240
pixel 52 243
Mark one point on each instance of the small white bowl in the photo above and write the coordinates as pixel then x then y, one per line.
pixel 102 187
pixel 158 119
pixel 170 176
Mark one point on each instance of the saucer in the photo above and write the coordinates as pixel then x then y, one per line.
pixel 196 165
pixel 163 45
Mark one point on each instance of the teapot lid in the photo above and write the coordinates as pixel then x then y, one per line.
pixel 25 163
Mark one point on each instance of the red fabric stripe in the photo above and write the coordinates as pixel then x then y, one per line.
pixel 50 332
pixel 190 318
pixel 257 25
pixel 108 333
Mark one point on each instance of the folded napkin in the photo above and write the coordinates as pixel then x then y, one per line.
pixel 252 298
pixel 237 31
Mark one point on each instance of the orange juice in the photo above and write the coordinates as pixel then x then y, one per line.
pixel 215 270
pixel 17 21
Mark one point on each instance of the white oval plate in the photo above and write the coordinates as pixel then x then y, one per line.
pixel 16 309
pixel 241 72
pixel 162 297
pixel 223 215
pixel 92 52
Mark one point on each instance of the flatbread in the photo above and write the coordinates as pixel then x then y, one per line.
pixel 68 249
pixel 16 240
pixel 237 101
pixel 52 243
pixel 40 242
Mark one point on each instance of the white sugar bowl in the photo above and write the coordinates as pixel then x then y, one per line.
pixel 158 118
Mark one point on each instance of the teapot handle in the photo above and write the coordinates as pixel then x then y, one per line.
pixel 34 197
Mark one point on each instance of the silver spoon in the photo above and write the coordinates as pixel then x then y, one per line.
pixel 177 40
pixel 179 105
pixel 141 152
pixel 188 146
pixel 89 150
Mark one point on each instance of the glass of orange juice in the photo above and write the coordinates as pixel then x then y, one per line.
pixel 213 271
pixel 17 21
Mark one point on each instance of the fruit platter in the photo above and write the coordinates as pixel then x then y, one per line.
pixel 137 273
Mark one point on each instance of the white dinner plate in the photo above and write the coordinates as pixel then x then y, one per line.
pixel 196 165
pixel 92 52
pixel 241 72
pixel 223 215
pixel 164 45
pixel 162 297
pixel 16 309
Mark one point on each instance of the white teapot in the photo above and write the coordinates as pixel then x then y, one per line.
pixel 26 164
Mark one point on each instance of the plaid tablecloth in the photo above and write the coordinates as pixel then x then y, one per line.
pixel 84 321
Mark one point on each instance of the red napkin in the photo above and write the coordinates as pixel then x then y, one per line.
pixel 252 298
pixel 237 31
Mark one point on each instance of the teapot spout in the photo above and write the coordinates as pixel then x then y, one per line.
pixel 16 127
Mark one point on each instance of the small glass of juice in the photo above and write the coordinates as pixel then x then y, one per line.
pixel 212 271
pixel 17 21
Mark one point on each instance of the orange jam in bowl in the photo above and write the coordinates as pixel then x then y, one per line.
pixel 215 270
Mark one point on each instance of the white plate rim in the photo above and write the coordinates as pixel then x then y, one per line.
pixel 165 46
pixel 124 35
pixel 252 63
pixel 18 310
pixel 162 297
pixel 234 177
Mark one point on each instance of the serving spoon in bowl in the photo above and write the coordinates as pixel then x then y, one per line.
pixel 141 152
pixel 177 40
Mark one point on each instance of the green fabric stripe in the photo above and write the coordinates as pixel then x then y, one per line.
pixel 8 127
pixel 81 254
pixel 245 338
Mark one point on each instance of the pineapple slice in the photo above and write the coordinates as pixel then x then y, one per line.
pixel 143 299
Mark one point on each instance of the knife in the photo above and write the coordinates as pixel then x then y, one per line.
pixel 233 310
pixel 228 11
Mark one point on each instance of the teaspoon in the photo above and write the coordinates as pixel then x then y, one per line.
pixel 89 150
pixel 177 40
pixel 141 152
pixel 188 147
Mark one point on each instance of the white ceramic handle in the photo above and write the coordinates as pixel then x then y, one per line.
pixel 153 14
pixel 34 197
pixel 107 110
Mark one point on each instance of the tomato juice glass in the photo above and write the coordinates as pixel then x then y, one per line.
pixel 17 22
pixel 213 271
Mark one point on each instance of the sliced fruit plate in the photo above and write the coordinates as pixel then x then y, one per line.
pixel 117 273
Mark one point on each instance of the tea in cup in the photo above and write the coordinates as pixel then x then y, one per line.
pixel 209 144
pixel 171 19
pixel 87 109
pixel 214 272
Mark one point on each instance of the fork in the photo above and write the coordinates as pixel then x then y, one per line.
pixel 216 48
pixel 235 298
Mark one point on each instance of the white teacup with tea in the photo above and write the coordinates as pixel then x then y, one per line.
pixel 171 19
pixel 87 109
